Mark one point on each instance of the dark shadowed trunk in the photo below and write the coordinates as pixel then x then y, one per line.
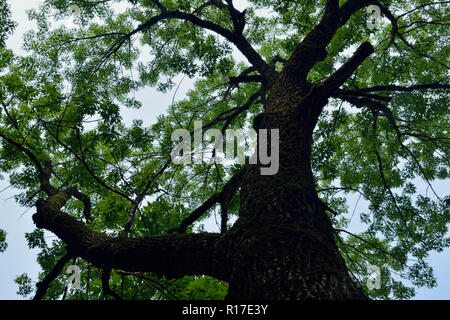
pixel 283 243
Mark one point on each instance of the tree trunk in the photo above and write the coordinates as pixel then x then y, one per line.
pixel 283 243
pixel 281 247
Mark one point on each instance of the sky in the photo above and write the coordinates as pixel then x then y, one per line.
pixel 19 259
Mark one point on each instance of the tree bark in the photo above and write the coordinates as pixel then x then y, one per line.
pixel 283 243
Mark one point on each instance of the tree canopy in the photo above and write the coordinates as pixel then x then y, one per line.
pixel 382 133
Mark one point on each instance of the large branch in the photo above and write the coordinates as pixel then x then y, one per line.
pixel 313 48
pixel 237 17
pixel 326 89
pixel 170 255
pixel 346 70
pixel 234 37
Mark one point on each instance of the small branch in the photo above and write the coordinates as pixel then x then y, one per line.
pixel 330 210
pixel 11 118
pixel 223 217
pixel 372 245
pixel 357 93
pixel 346 70
pixel 159 5
pixel 83 198
pixel 224 197
pixel 82 159
pixel 361 102
pixel 43 285
pixel 161 288
pixel 106 274
pixel 425 55
pixel 233 113
pixel 386 185
pixel 234 37
pixel 422 6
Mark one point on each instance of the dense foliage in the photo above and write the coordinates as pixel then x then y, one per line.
pixel 62 103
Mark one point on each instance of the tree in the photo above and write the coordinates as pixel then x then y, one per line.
pixel 359 110
pixel 6 24
pixel 6 27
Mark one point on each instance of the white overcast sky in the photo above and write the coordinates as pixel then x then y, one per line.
pixel 18 258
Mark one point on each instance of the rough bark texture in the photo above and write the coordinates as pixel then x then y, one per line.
pixel 283 244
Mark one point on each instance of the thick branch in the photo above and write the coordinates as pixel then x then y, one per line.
pixel 234 37
pixel 170 255
pixel 345 71
pixel 313 48
pixel 237 17
pixel 330 85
